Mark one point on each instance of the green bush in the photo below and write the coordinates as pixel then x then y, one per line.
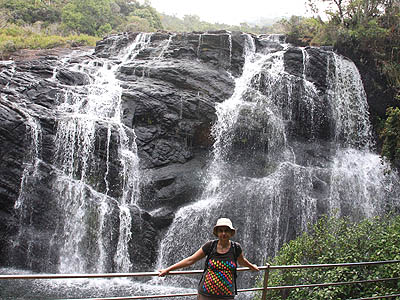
pixel 30 11
pixel 334 240
pixel 391 136
pixel 149 14
pixel 135 23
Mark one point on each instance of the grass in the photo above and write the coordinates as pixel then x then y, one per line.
pixel 14 38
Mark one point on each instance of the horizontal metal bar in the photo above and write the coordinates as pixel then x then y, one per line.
pixel 189 272
pixel 106 275
pixel 156 296
pixel 331 265
pixel 378 297
pixel 245 290
pixel 136 297
pixel 329 284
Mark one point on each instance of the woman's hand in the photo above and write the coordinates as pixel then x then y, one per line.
pixel 163 272
pixel 245 263
pixel 254 267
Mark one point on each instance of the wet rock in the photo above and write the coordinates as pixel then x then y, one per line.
pixel 69 77
pixel 162 217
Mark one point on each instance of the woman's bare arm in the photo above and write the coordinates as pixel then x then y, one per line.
pixel 245 263
pixel 188 261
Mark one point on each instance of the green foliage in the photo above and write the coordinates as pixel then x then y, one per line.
pixel 88 16
pixel 135 23
pixel 100 17
pixel 31 11
pixel 391 136
pixel 126 7
pixel 150 14
pixel 392 70
pixel 300 30
pixel 334 240
pixel 92 17
pixel 13 38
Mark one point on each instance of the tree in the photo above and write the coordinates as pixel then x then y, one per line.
pixel 301 30
pixel 314 5
pixel 30 11
pixel 352 12
pixel 127 7
pixel 88 16
pixel 150 14
pixel 136 24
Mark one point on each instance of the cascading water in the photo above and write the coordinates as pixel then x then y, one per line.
pixel 224 185
pixel 274 171
pixel 87 205
pixel 81 118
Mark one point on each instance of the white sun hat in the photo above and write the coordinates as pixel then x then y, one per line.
pixel 224 222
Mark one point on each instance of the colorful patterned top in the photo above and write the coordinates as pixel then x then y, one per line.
pixel 218 280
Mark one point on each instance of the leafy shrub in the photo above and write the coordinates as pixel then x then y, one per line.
pixel 392 71
pixel 150 14
pixel 300 31
pixel 334 240
pixel 30 11
pixel 391 136
pixel 7 46
pixel 135 23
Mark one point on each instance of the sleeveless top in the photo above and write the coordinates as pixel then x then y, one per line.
pixel 218 281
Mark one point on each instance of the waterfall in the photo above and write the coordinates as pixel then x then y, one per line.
pixel 267 179
pixel 164 46
pixel 81 116
pixel 92 198
pixel 223 188
pixel 350 105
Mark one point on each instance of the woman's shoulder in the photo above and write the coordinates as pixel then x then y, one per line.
pixel 237 248
pixel 208 245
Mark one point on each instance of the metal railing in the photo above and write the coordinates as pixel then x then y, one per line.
pixel 267 269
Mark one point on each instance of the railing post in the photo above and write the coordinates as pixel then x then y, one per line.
pixel 265 285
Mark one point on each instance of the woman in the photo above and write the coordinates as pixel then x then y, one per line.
pixel 218 280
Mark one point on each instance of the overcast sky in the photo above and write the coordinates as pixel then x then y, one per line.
pixel 231 11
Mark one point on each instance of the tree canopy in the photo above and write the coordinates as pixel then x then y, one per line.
pixel 93 17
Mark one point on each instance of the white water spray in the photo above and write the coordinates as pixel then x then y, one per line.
pixel 82 115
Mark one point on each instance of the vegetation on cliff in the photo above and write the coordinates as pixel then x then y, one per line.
pixel 337 240
pixel 390 133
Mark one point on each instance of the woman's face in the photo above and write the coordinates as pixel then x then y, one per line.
pixel 224 232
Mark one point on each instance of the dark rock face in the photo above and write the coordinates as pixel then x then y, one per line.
pixel 169 97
